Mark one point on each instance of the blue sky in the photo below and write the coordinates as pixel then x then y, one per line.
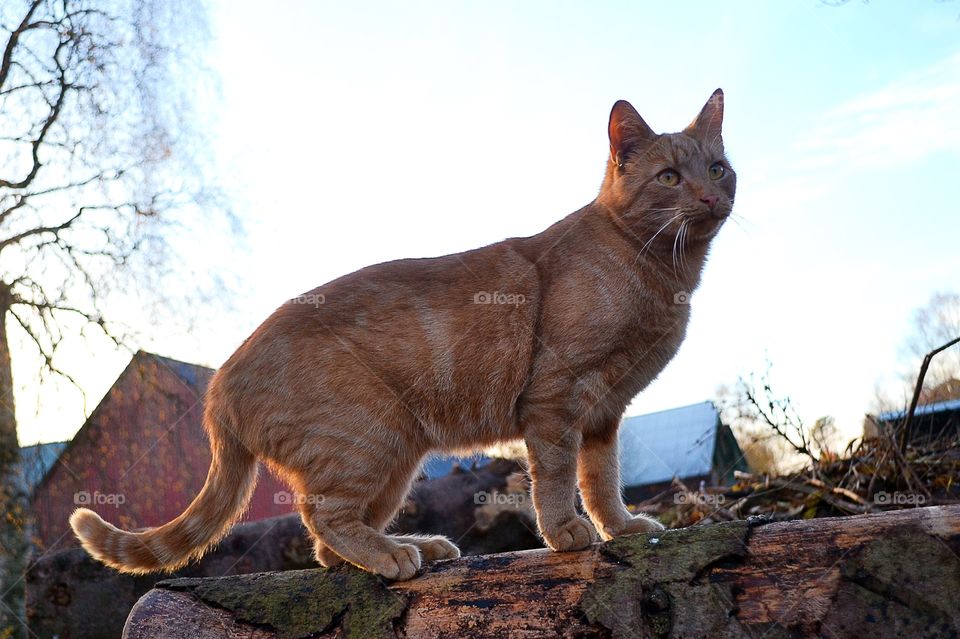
pixel 354 133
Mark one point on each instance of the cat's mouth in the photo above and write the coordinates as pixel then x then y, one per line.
pixel 707 224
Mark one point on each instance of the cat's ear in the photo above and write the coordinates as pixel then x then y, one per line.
pixel 707 125
pixel 627 131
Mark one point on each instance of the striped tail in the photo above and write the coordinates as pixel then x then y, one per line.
pixel 223 498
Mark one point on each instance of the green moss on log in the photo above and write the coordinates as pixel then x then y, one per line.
pixel 661 590
pixel 302 603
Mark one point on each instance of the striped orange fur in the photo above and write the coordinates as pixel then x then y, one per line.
pixel 344 389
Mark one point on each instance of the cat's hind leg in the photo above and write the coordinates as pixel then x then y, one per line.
pixel 433 547
pixel 339 533
pixel 324 556
pixel 337 498
pixel 385 507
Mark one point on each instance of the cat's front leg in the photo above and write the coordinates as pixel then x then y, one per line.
pixel 598 472
pixel 553 469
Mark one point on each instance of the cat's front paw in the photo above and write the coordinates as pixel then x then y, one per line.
pixel 575 534
pixel 632 526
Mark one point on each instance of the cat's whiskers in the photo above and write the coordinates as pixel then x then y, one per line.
pixel 684 230
pixel 737 220
pixel 676 239
pixel 683 233
pixel 645 212
pixel 659 231
pixel 678 246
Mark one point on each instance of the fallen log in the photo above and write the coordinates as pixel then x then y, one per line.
pixel 70 594
pixel 889 574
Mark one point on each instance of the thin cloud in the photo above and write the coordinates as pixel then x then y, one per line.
pixel 909 119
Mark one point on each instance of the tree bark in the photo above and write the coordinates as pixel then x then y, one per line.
pixel 70 594
pixel 14 545
pixel 883 575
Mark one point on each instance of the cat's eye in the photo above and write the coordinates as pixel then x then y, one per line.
pixel 669 177
pixel 716 171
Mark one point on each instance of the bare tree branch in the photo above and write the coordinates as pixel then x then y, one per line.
pixel 47 353
pixel 14 239
pixel 38 141
pixel 22 198
pixel 21 201
pixel 27 85
pixel 12 41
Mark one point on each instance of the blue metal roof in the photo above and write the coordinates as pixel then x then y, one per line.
pixel 677 442
pixel 926 409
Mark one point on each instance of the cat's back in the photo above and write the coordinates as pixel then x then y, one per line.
pixel 431 330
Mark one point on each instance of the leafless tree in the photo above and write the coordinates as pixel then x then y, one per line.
pixel 99 161
pixel 774 436
pixel 933 325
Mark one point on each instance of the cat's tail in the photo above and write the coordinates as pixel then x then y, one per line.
pixel 223 498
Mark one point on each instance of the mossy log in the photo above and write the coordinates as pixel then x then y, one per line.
pixel 893 574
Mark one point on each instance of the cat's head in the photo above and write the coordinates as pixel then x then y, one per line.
pixel 674 187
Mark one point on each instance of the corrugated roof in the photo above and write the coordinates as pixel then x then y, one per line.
pixel 653 448
pixel 676 442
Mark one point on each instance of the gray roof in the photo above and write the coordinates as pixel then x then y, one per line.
pixel 440 465
pixel 36 460
pixel 677 442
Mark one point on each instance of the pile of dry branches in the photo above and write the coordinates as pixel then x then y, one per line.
pixel 872 476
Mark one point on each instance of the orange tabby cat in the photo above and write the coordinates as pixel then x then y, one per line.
pixel 344 390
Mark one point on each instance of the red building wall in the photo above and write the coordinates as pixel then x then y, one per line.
pixel 141 457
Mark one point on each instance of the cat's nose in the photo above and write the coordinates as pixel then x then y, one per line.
pixel 711 201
